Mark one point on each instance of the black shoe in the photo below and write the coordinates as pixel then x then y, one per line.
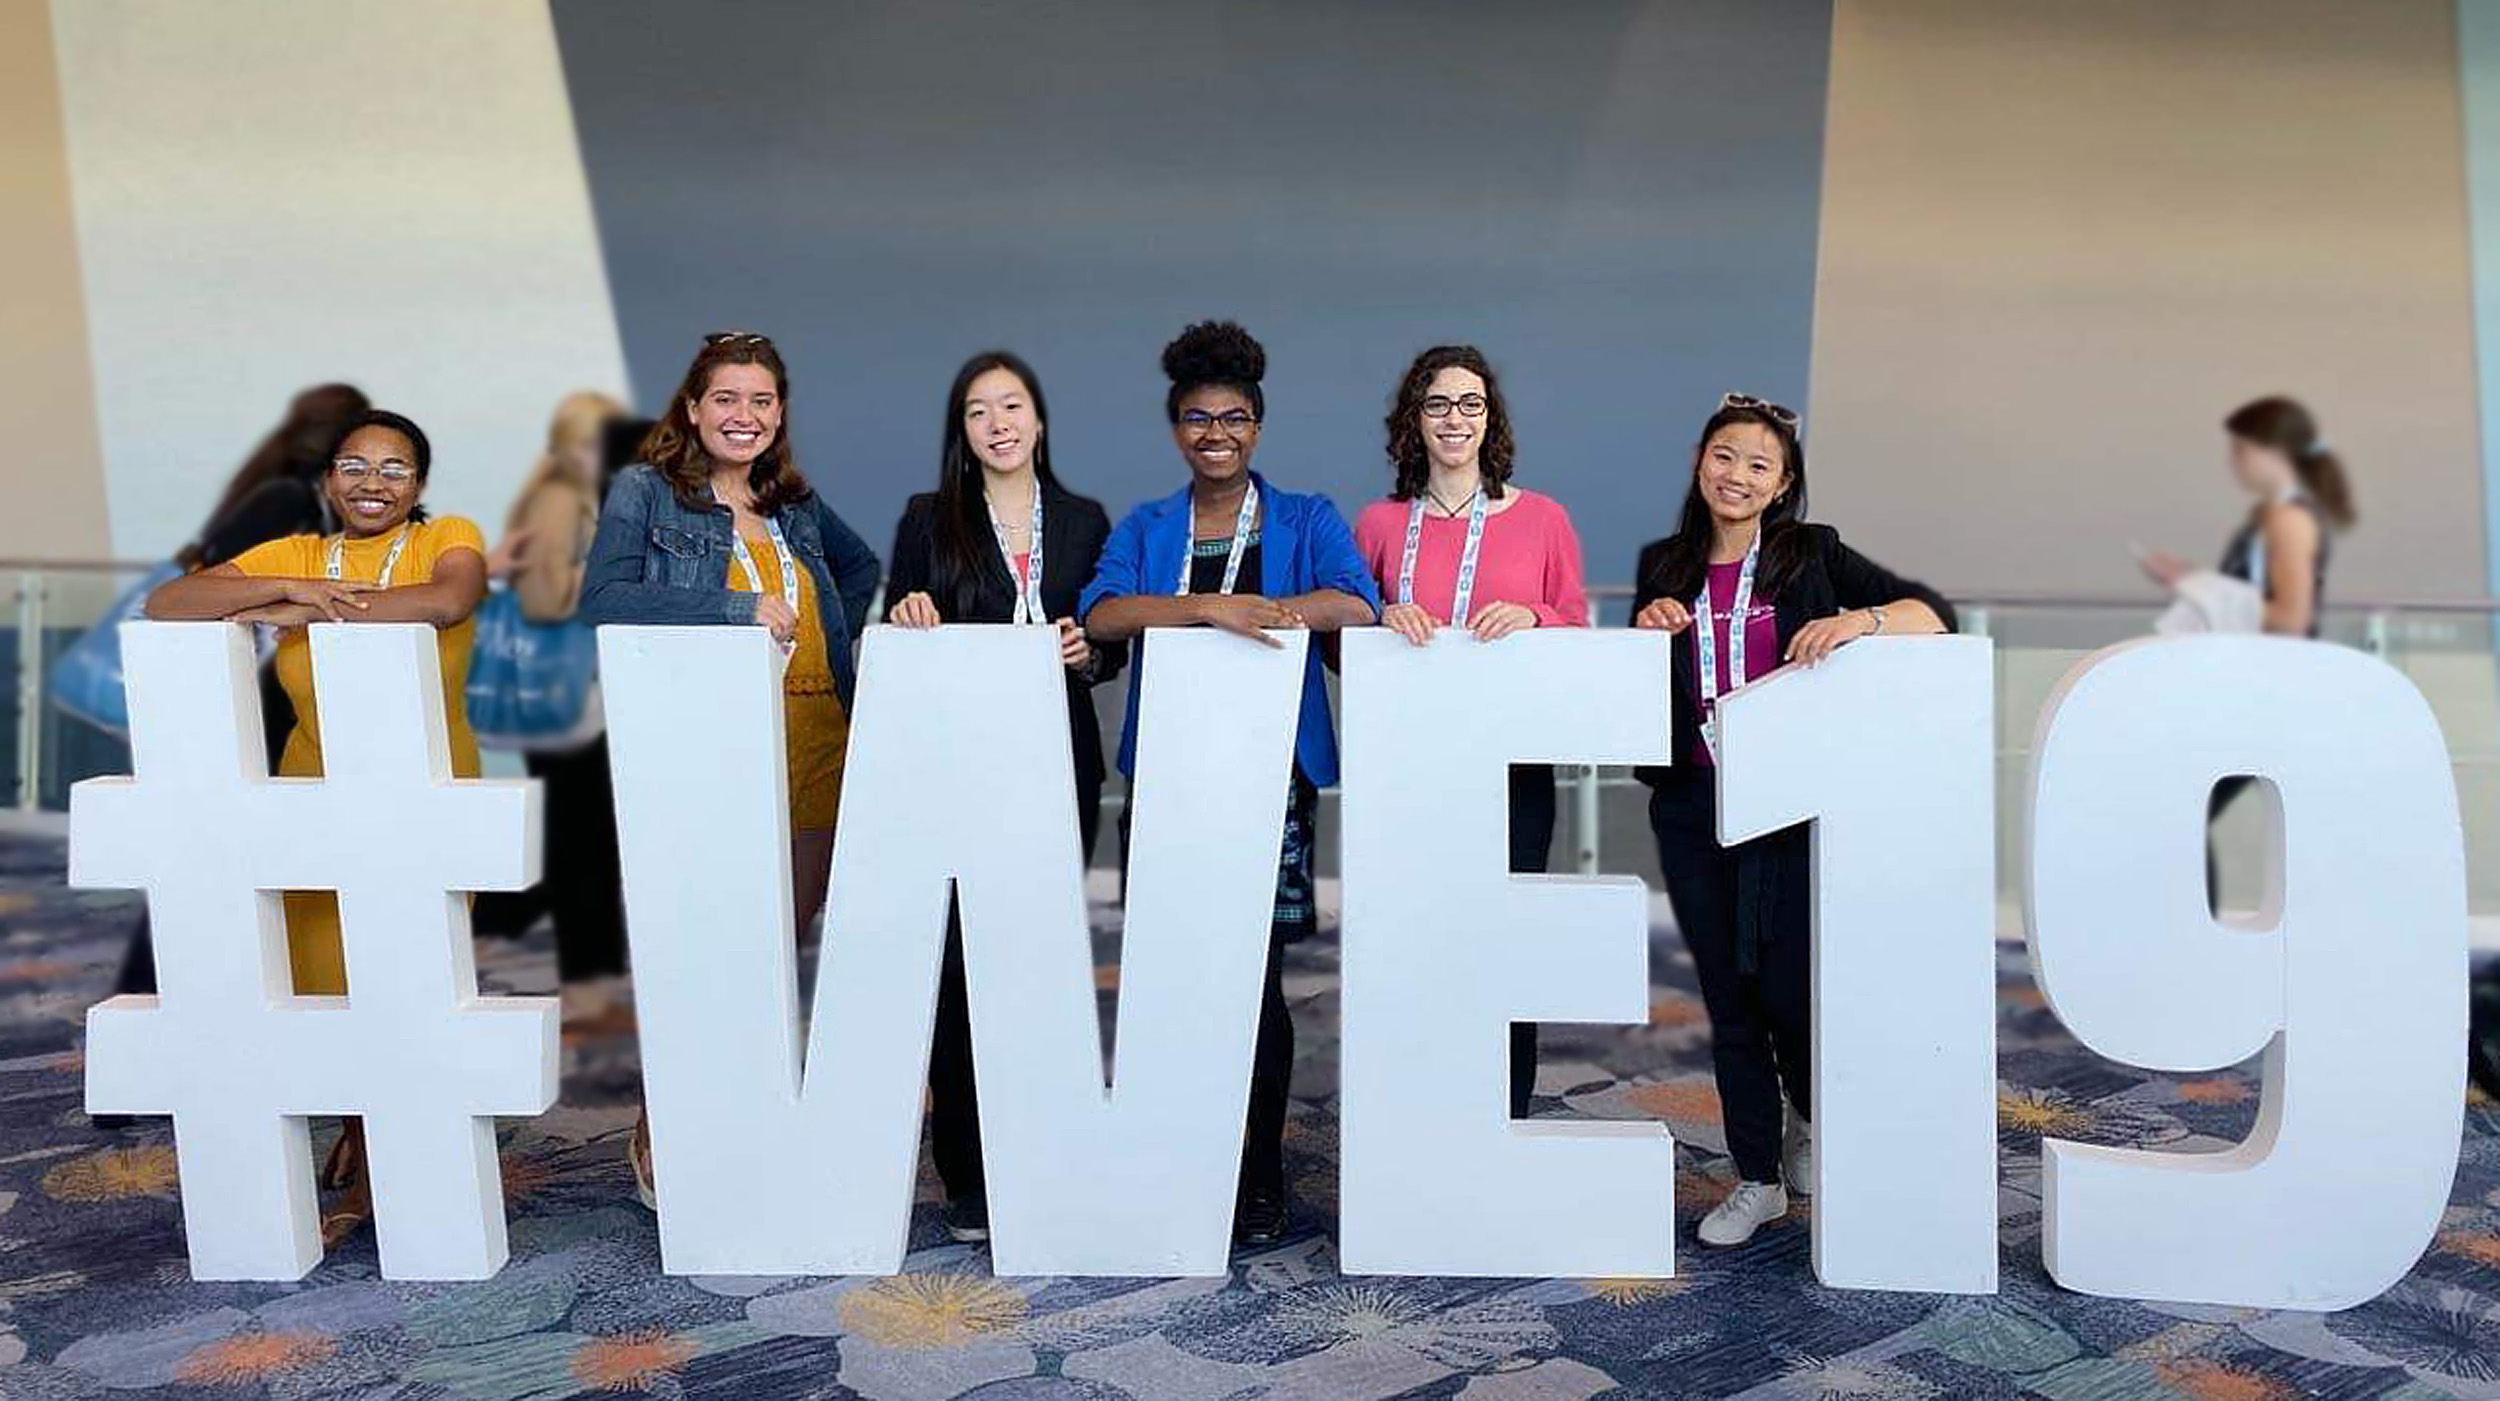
pixel 968 1219
pixel 1261 1216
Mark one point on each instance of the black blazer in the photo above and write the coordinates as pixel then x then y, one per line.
pixel 1073 530
pixel 1830 578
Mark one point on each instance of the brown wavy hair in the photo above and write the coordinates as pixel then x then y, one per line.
pixel 674 450
pixel 1406 433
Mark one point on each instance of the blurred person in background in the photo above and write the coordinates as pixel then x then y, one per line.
pixel 541 558
pixel 2272 577
pixel 277 492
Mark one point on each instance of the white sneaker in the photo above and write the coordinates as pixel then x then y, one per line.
pixel 1797 1156
pixel 1733 1222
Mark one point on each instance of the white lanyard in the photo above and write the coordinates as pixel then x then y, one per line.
pixel 1466 558
pixel 1029 607
pixel 1705 640
pixel 390 561
pixel 1241 543
pixel 755 577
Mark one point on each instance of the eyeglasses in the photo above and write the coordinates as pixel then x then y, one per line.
pixel 1786 417
pixel 1231 421
pixel 356 469
pixel 1467 405
pixel 737 338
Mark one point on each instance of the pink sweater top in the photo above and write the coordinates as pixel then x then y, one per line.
pixel 1530 555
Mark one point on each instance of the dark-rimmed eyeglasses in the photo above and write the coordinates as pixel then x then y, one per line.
pixel 1231 421
pixel 1441 405
pixel 1786 417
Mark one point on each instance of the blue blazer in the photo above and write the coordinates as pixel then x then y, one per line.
pixel 1303 545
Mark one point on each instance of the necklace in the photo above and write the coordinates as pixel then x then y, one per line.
pixel 1449 510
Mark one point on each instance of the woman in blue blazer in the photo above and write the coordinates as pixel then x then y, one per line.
pixel 1232 552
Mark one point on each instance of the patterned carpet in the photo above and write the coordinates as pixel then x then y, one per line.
pixel 95 1301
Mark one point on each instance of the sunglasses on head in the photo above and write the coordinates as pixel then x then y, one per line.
pixel 1786 417
pixel 737 338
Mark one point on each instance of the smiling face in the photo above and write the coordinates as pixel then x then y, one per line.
pixel 1217 432
pixel 373 483
pixel 1455 439
pixel 738 414
pixel 1743 469
pixel 1000 423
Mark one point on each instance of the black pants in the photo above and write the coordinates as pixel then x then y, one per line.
pixel 582 877
pixel 277 721
pixel 1531 853
pixel 2225 793
pixel 954 1101
pixel 1761 1019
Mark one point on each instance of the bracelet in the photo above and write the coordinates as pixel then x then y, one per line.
pixel 1877 615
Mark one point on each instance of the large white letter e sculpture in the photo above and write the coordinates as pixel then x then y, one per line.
pixel 1444 948
pixel 226 1047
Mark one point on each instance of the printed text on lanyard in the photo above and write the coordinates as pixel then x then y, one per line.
pixel 787 566
pixel 1466 559
pixel 1242 525
pixel 1705 642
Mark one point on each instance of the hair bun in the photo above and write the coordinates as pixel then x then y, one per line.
pixel 1215 352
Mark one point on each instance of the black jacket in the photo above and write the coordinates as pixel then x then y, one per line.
pixel 1073 530
pixel 1830 578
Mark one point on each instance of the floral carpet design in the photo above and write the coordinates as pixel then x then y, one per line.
pixel 96 1302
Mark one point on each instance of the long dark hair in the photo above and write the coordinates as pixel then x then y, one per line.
pixel 962 549
pixel 676 452
pixel 298 448
pixel 2286 426
pixel 1406 435
pixel 1686 561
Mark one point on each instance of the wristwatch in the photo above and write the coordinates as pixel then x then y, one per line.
pixel 1878 615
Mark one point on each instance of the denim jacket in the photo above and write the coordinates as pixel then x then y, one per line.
pixel 655 561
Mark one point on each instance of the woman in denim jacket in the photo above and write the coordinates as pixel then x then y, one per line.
pixel 718 526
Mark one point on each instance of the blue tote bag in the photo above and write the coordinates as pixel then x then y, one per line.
pixel 532 686
pixel 85 682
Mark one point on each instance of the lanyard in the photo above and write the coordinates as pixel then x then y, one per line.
pixel 1466 558
pixel 782 560
pixel 390 561
pixel 1705 640
pixel 1232 558
pixel 1029 608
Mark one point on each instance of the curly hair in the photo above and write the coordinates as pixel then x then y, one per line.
pixel 674 450
pixel 1406 432
pixel 1215 353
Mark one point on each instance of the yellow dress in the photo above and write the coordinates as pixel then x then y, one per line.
pixel 312 916
pixel 815 727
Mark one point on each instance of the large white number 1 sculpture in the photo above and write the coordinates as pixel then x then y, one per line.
pixel 2350 977
pixel 1886 747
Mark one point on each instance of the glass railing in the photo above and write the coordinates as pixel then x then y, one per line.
pixel 2445 647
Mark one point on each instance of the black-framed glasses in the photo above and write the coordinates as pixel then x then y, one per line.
pixel 737 338
pixel 1231 420
pixel 356 469
pixel 1786 416
pixel 1442 405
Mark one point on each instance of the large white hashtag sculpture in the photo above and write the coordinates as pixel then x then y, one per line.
pixel 226 1047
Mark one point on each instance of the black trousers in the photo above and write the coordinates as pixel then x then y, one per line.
pixel 581 877
pixel 1761 1019
pixel 954 1101
pixel 1531 854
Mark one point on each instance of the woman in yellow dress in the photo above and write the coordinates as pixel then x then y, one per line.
pixel 388 564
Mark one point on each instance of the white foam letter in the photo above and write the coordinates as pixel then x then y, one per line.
pixel 2351 977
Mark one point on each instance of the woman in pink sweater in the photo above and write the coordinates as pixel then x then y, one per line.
pixel 1455 545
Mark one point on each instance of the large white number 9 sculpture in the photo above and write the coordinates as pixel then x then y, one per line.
pixel 2350 977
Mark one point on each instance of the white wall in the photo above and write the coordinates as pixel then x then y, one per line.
pixel 273 193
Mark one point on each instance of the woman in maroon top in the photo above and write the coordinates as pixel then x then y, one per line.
pixel 1766 588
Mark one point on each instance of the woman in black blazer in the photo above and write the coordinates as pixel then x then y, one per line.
pixel 965 554
pixel 1766 588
